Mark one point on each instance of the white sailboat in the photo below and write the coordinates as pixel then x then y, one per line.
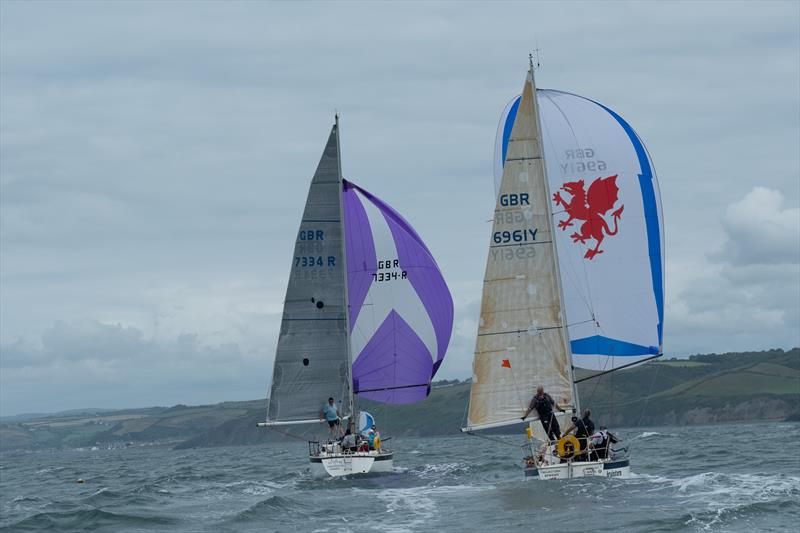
pixel 367 312
pixel 570 282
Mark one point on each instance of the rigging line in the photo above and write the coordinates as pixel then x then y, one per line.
pixel 493 439
pixel 394 388
pixel 640 361
pixel 286 433
pixel 516 387
pixel 649 394
pixel 597 383
pixel 464 419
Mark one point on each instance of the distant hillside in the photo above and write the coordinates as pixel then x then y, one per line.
pixel 702 389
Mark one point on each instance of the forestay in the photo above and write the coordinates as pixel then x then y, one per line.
pixel 401 311
pixel 312 360
pixel 607 208
pixel 521 336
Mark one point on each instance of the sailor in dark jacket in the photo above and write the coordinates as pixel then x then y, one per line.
pixel 543 404
pixel 578 426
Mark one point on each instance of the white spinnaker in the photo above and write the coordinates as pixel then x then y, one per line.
pixel 613 301
pixel 501 140
pixel 521 319
pixel 382 298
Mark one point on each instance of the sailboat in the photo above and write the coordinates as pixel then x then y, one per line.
pixel 574 275
pixel 367 312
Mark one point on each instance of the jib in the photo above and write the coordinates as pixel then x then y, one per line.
pixel 312 235
pixel 514 199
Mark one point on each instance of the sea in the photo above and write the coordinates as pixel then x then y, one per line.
pixel 742 477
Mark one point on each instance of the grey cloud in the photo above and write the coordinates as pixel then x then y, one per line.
pixel 122 368
pixel 155 159
pixel 760 230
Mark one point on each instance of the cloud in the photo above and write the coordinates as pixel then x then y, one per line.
pixel 117 366
pixel 155 162
pixel 760 230
pixel 749 289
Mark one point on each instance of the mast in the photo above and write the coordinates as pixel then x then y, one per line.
pixel 344 263
pixel 565 336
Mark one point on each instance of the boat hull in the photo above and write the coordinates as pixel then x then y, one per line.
pixel 609 469
pixel 337 464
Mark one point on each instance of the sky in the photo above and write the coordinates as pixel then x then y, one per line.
pixel 155 158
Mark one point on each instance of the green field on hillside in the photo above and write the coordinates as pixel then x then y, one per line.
pixel 702 389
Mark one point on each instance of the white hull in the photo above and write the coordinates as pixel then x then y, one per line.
pixel 339 464
pixel 609 468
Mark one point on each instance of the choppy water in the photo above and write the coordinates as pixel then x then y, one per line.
pixel 723 478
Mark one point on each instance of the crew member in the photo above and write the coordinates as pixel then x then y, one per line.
pixel 543 403
pixel 372 436
pixel 349 439
pixel 330 414
pixel 586 420
pixel 579 428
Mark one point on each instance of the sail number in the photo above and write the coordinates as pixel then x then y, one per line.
pixel 519 235
pixel 391 271
pixel 580 160
pixel 312 235
pixel 514 199
pixel 314 261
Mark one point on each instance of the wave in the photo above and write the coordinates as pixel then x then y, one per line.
pixel 274 507
pixel 86 519
pixel 728 515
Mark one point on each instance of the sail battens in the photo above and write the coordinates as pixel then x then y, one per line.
pixel 312 358
pixel 516 331
pixel 307 319
pixel 518 244
pixel 521 341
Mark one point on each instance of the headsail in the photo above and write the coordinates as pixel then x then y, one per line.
pixel 312 360
pixel 610 232
pixel 521 335
pixel 401 311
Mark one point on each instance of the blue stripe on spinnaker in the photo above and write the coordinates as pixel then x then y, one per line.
pixel 650 215
pixel 605 346
pixel 509 125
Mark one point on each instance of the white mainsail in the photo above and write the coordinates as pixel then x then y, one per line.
pixel 522 339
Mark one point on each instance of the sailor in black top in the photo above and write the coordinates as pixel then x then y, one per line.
pixel 582 433
pixel 543 404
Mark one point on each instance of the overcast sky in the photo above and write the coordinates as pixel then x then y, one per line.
pixel 156 157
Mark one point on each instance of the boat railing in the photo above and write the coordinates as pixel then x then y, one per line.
pixel 546 453
pixel 315 447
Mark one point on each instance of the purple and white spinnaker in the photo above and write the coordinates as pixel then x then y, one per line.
pixel 400 309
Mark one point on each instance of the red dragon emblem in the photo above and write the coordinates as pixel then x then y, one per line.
pixel 591 207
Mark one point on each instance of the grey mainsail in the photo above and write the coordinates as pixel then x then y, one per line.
pixel 312 360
